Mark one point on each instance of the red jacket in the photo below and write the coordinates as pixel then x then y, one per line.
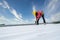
pixel 39 15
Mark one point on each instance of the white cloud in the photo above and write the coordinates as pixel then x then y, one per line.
pixel 6 4
pixel 51 3
pixel 52 6
pixel 13 11
pixel 56 17
pixel 52 10
pixel 0 3
pixel 18 17
pixel 4 20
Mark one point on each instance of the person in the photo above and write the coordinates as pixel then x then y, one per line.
pixel 38 15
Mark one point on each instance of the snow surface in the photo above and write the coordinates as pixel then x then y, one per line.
pixel 31 32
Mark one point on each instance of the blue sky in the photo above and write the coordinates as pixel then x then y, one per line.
pixel 22 9
pixel 25 6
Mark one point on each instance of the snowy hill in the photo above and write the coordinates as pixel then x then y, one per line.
pixel 31 32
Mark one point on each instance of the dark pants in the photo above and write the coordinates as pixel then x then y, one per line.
pixel 43 18
pixel 37 21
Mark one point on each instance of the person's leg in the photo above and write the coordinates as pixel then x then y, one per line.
pixel 43 18
pixel 37 20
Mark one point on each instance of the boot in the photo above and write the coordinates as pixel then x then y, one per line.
pixel 36 22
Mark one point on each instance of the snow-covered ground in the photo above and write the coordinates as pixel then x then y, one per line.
pixel 31 32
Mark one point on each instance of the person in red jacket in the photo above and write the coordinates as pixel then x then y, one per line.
pixel 39 14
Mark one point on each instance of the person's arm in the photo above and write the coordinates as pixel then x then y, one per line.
pixel 34 13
